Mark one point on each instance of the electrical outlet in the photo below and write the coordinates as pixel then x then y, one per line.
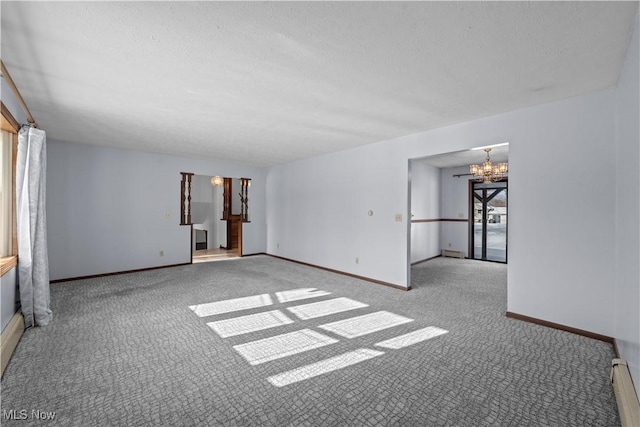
pixel 357 260
pixel 449 244
pixel 161 253
pixel 277 245
pixel 167 214
pixel 398 217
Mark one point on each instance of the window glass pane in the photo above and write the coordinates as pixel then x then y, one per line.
pixel 497 227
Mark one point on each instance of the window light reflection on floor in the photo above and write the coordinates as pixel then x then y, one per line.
pixel 259 351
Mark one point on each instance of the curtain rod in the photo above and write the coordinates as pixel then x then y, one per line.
pixel 16 92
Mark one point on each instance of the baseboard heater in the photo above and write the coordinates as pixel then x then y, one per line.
pixel 626 397
pixel 9 339
pixel 452 253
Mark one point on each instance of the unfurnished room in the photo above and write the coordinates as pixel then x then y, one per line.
pixel 320 213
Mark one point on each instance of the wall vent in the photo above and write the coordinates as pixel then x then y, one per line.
pixel 452 254
pixel 626 396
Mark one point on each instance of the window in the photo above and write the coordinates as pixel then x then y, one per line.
pixel 488 232
pixel 8 243
pixel 5 194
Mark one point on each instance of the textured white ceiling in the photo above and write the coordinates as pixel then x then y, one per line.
pixel 267 83
pixel 499 153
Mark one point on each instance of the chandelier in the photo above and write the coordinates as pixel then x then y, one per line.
pixel 487 171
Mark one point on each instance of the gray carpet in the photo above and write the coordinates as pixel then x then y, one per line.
pixel 128 350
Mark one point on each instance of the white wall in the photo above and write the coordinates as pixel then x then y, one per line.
pixel 201 200
pixel 425 205
pixel 627 212
pixel 437 194
pixel 317 212
pixel 560 267
pixel 455 193
pixel 218 228
pixel 106 209
pixel 206 210
pixel 455 205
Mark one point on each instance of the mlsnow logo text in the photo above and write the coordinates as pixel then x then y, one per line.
pixel 25 414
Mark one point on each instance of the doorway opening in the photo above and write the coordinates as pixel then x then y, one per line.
pixel 441 205
pixel 488 230
pixel 215 208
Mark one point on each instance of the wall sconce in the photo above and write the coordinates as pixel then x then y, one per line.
pixel 216 181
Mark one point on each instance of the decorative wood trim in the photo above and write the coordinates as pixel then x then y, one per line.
pixel 185 198
pixel 245 183
pixel 9 339
pixel 558 326
pixel 426 259
pixel 18 96
pixel 441 220
pixel 115 273
pixel 9 123
pixel 355 276
pixel 7 264
pixel 226 198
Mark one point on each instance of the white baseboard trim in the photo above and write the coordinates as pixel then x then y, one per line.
pixel 9 338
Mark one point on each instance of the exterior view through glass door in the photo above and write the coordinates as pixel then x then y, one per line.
pixel 488 231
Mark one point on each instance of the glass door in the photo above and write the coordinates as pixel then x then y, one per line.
pixel 488 234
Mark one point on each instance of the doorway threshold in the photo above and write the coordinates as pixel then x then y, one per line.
pixel 209 255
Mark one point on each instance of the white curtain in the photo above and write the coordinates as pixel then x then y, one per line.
pixel 33 260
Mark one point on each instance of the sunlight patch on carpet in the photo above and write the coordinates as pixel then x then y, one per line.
pixel 411 338
pixel 263 350
pixel 251 323
pixel 300 294
pixel 324 366
pixel 277 347
pixel 367 324
pixel 325 308
pixel 231 305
